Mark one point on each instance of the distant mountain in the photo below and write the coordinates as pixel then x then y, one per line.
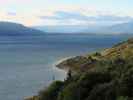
pixel 122 28
pixel 68 28
pixel 14 29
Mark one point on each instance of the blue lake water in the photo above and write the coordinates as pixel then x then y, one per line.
pixel 27 63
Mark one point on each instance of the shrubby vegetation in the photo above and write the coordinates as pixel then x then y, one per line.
pixel 110 78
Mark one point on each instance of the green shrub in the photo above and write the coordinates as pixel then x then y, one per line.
pixel 51 92
pixel 104 91
pixel 92 78
pixel 97 54
pixel 122 98
pixel 69 93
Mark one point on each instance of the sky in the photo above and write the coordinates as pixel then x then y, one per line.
pixel 66 12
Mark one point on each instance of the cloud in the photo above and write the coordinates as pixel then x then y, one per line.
pixel 78 17
pixel 65 15
pixel 11 14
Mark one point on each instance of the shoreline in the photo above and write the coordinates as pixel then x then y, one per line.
pixel 65 68
pixel 63 59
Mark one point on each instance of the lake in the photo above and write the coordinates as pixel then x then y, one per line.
pixel 27 64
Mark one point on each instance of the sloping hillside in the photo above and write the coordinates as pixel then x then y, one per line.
pixel 122 50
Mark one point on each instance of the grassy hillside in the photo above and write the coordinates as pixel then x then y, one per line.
pixel 106 75
pixel 89 62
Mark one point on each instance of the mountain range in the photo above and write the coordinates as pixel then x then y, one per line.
pixel 14 29
pixel 122 28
